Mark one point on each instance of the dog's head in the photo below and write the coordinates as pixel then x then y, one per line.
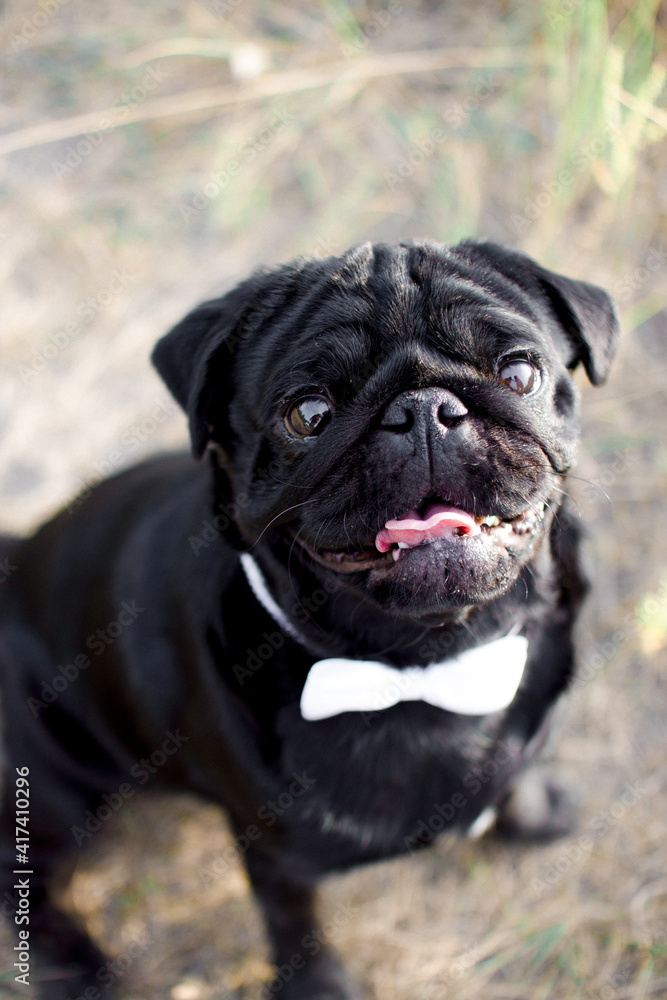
pixel 399 417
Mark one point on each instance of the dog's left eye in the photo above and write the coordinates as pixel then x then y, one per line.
pixel 308 416
pixel 520 376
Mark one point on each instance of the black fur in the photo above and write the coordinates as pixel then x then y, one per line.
pixel 130 634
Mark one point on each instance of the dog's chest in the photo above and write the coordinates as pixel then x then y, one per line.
pixel 371 786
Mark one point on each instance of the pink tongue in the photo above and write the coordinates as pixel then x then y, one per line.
pixel 412 529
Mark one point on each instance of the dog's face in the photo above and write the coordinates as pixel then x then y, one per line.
pixel 399 418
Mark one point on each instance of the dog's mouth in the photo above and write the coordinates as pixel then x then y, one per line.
pixel 424 526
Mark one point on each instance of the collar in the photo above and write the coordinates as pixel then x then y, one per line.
pixel 478 681
pixel 260 589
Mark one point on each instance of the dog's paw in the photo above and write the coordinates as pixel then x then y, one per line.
pixel 67 961
pixel 540 807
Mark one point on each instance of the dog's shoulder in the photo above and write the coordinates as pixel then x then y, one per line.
pixel 76 555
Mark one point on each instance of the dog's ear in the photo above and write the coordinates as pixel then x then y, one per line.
pixel 582 316
pixel 184 357
pixel 590 320
pixel 197 356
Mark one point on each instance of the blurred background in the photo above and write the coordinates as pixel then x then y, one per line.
pixel 151 155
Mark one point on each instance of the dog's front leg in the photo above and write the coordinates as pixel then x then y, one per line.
pixel 62 962
pixel 306 967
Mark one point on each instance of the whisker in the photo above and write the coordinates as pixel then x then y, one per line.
pixel 281 514
pixel 281 482
pixel 591 482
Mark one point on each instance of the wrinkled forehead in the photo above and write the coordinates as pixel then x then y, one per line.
pixel 348 311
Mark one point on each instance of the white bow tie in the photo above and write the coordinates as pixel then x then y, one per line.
pixel 477 682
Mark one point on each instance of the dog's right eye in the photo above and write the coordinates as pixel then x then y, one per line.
pixel 520 376
pixel 308 416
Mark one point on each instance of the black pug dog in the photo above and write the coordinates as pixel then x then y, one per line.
pixel 357 608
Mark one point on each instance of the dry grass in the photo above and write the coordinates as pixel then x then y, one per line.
pixel 245 132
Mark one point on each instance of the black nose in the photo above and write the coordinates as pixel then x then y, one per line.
pixel 424 408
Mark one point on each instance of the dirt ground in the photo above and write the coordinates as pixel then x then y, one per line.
pixel 151 155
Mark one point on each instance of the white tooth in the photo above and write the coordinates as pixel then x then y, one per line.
pixel 403 545
pixel 396 554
